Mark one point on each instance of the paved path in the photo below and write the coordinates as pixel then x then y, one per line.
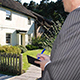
pixel 31 74
pixel 4 77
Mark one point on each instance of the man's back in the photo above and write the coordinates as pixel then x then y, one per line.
pixel 65 55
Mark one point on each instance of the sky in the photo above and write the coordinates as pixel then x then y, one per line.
pixel 37 1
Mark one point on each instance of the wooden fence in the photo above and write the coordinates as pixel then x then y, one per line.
pixel 11 63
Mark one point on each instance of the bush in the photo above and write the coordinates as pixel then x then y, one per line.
pixel 31 47
pixel 22 48
pixel 10 49
pixel 38 42
pixel 2 49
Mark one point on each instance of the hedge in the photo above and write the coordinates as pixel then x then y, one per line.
pixel 10 49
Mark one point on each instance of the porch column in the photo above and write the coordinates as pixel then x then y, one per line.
pixel 23 39
pixel 18 39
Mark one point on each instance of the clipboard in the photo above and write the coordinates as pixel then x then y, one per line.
pixel 31 60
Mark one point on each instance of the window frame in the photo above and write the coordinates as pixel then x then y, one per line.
pixel 8 38
pixel 8 15
pixel 29 37
pixel 29 21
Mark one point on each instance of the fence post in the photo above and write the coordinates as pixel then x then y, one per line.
pixel 13 62
pixel 20 63
pixel 3 61
pixel 0 60
pixel 16 63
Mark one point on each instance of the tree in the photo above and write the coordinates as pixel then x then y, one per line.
pixel 25 5
pixel 32 6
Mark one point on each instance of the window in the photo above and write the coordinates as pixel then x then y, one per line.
pixel 8 15
pixel 29 21
pixel 8 38
pixel 29 37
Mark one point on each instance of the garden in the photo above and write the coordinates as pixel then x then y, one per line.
pixel 13 59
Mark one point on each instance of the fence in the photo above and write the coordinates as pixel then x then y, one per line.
pixel 11 63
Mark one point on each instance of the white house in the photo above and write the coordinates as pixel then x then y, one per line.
pixel 16 23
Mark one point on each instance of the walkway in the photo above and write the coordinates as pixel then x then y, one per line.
pixel 4 77
pixel 31 74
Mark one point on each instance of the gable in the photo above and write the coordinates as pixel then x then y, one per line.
pixel 16 6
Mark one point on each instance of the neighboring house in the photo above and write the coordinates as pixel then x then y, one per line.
pixel 16 23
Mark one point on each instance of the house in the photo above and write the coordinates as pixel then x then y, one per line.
pixel 16 23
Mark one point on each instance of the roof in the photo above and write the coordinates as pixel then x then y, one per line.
pixel 42 20
pixel 38 15
pixel 16 6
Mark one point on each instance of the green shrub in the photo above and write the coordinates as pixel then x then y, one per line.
pixel 2 49
pixel 31 47
pixel 22 48
pixel 10 49
pixel 38 42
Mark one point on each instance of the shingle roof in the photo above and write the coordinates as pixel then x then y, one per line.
pixel 42 20
pixel 16 6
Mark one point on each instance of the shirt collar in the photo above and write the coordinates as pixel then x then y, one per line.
pixel 78 6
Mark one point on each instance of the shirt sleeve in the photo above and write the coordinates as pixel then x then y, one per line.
pixel 47 63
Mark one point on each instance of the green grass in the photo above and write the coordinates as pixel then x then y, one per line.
pixel 32 53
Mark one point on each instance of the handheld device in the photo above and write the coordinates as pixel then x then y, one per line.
pixel 31 60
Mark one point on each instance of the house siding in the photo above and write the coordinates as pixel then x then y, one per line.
pixel 18 22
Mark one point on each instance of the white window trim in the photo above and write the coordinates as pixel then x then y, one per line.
pixel 8 15
pixel 9 38
pixel 29 21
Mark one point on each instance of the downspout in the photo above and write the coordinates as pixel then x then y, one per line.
pixel 35 30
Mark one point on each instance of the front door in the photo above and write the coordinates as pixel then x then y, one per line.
pixel 23 39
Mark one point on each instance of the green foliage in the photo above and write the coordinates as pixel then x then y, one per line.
pixel 49 10
pixel 50 35
pixel 2 49
pixel 32 6
pixel 10 49
pixel 22 48
pixel 31 47
pixel 38 42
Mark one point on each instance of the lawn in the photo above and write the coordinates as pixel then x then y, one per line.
pixel 32 53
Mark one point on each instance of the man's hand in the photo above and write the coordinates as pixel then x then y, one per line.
pixel 43 60
pixel 42 63
pixel 43 57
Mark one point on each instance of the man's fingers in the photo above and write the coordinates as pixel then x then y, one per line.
pixel 38 62
pixel 38 55
pixel 45 56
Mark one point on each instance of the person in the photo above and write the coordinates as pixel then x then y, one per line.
pixel 64 62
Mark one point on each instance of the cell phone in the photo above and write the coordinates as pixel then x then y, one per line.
pixel 31 60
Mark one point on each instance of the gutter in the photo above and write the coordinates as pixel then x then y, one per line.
pixel 17 11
